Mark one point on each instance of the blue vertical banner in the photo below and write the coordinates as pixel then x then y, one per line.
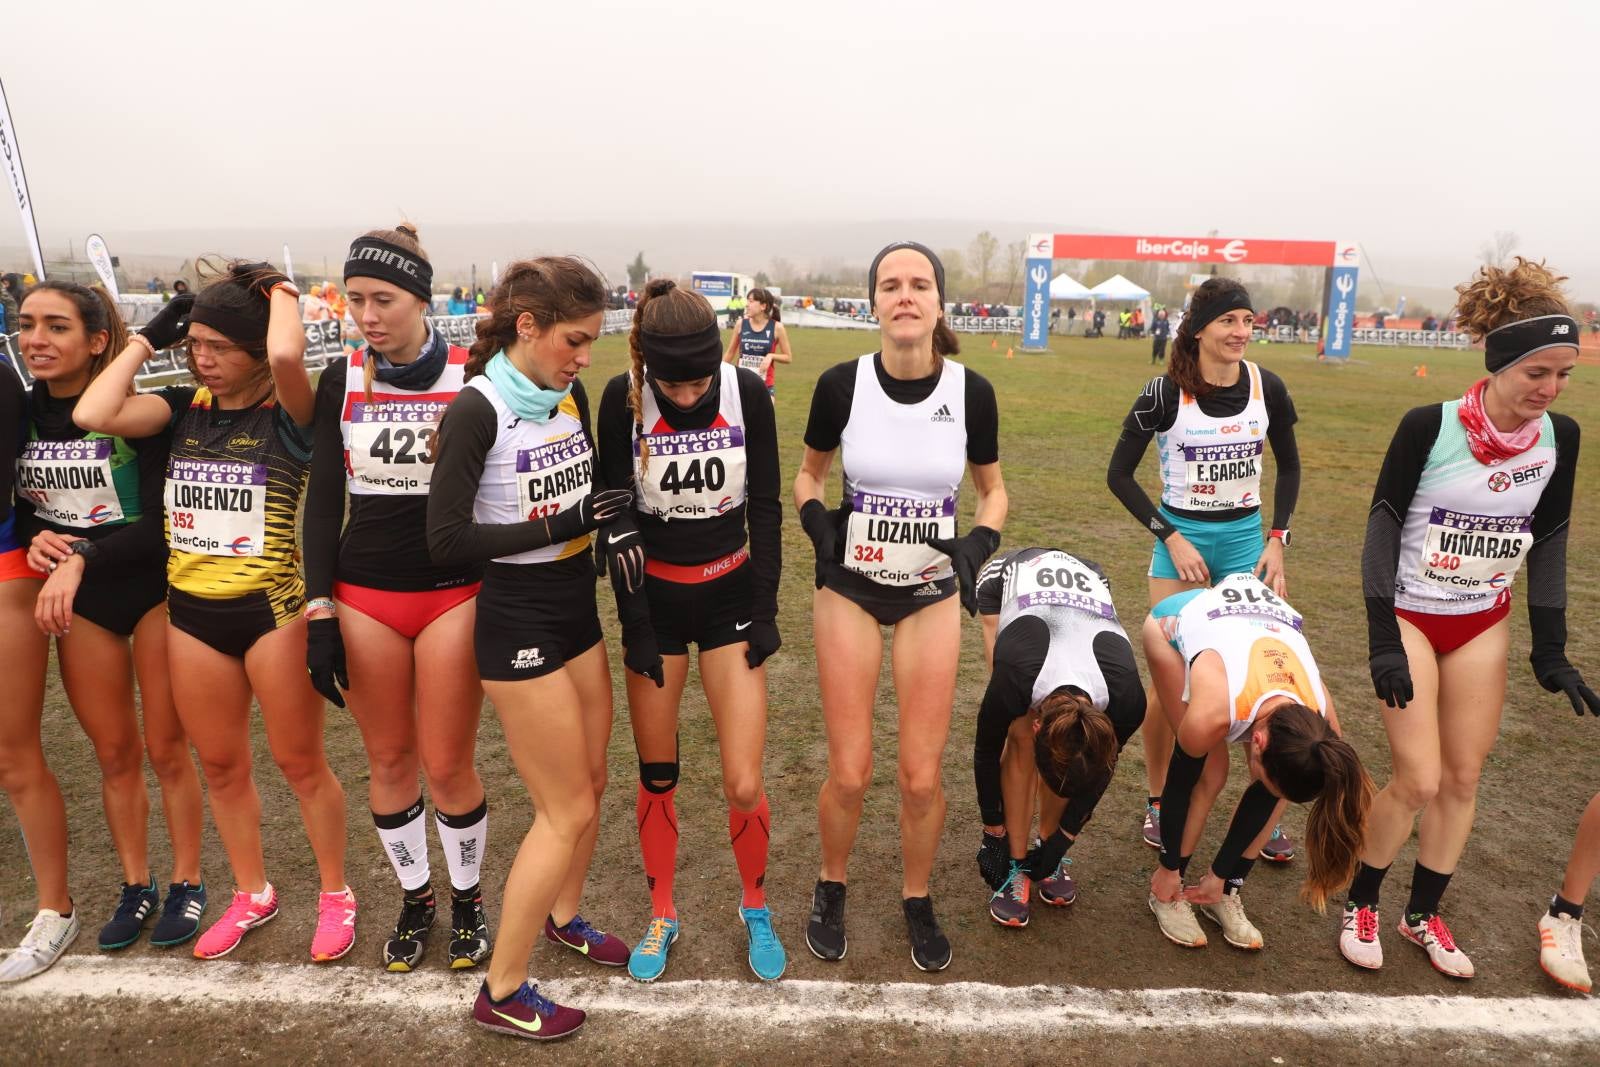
pixel 1036 269
pixel 1339 322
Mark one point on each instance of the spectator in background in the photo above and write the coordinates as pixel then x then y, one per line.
pixel 315 309
pixel 480 298
pixel 1072 318
pixel 8 313
pixel 1159 331
pixel 336 301
pixel 1124 323
pixel 459 304
pixel 179 288
pixel 1430 323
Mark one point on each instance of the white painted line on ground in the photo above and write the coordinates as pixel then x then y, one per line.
pixel 958 1007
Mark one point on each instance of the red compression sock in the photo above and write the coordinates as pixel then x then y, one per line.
pixel 750 833
pixel 658 842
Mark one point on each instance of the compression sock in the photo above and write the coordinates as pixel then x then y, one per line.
pixel 1427 888
pixel 1241 871
pixel 1364 887
pixel 1560 905
pixel 750 832
pixel 658 844
pixel 405 842
pixel 464 838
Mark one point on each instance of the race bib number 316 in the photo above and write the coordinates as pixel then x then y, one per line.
pixel 216 507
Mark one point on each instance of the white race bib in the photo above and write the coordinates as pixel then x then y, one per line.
pixel 749 362
pixel 884 538
pixel 1056 579
pixel 69 483
pixel 555 476
pixel 1473 553
pixel 693 474
pixel 389 446
pixel 1223 477
pixel 216 507
pixel 1245 594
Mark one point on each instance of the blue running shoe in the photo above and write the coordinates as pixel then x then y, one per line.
pixel 767 958
pixel 648 959
pixel 134 908
pixel 180 915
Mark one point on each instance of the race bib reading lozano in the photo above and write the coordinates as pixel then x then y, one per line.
pixel 884 538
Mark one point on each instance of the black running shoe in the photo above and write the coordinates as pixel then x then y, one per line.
pixel 930 949
pixel 403 951
pixel 825 930
pixel 180 915
pixel 137 903
pixel 469 931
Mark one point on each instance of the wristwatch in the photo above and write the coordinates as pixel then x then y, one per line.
pixel 85 548
pixel 1281 535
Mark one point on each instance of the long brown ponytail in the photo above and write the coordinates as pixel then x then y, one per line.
pixel 1076 747
pixel 665 309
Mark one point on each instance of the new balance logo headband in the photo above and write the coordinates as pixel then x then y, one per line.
pixel 371 258
pixel 1506 346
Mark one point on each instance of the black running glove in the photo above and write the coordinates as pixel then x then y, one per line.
pixel 640 653
pixel 822 526
pixel 1391 677
pixel 171 324
pixel 325 659
pixel 1559 676
pixel 261 277
pixel 994 860
pixel 592 512
pixel 620 550
pixel 1045 857
pixel 762 634
pixel 968 553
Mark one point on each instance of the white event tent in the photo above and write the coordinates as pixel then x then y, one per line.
pixel 1119 290
pixel 1063 287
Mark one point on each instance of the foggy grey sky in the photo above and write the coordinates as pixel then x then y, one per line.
pixel 1417 128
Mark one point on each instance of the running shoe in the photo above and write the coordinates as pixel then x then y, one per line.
pixel 1008 905
pixel 767 958
pixel 1429 933
pixel 825 929
pixel 607 950
pixel 403 951
pixel 45 942
pixel 1237 929
pixel 649 957
pixel 469 931
pixel 1059 890
pixel 137 904
pixel 1358 936
pixel 525 1014
pixel 180 915
pixel 242 916
pixel 336 926
pixel 1178 923
pixel 1279 847
pixel 1152 825
pixel 1561 951
pixel 930 949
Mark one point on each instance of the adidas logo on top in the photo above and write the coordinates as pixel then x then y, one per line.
pixel 943 414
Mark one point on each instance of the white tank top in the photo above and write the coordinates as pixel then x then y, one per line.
pixel 386 441
pixel 693 474
pixel 1076 604
pixel 902 476
pixel 1258 636
pixel 1210 464
pixel 1469 526
pixel 532 470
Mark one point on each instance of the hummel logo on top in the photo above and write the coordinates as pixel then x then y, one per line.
pixel 527 657
pixel 943 414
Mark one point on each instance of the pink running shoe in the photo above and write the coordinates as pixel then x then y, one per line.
pixel 243 915
pixel 336 926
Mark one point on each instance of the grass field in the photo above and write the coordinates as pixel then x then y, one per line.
pixel 1060 415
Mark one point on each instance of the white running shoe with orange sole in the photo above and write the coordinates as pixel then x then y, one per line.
pixel 1561 951
pixel 1434 938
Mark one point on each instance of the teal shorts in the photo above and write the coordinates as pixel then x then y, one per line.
pixel 1230 547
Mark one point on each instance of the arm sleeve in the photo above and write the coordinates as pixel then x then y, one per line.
pixel 830 407
pixel 1249 819
pixel 763 486
pixel 1147 416
pixel 1182 775
pixel 324 509
pixel 142 543
pixel 1281 417
pixel 13 417
pixel 1547 559
pixel 991 584
pixel 614 435
pixel 1391 499
pixel 1019 654
pixel 983 421
pixel 1126 710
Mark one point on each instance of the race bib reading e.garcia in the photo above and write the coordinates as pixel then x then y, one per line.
pixel 389 452
pixel 70 483
pixel 1223 476
pixel 216 507
pixel 554 476
pixel 1473 553
pixel 1057 579
pixel 884 538
pixel 693 474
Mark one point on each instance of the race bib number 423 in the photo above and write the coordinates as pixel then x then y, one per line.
pixel 1474 553
pixel 554 476
pixel 216 507
pixel 885 538
pixel 389 446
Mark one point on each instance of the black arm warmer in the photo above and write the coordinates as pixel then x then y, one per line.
pixel 1252 817
pixel 1019 653
pixel 1391 500
pixel 1125 458
pixel 1182 775
pixel 763 487
pixel 1286 487
pixel 142 543
pixel 325 488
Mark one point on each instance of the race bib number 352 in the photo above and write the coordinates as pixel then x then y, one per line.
pixel 216 507
pixel 885 538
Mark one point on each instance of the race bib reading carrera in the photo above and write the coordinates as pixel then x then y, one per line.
pixel 884 538
pixel 216 507
pixel 554 476
pixel 1474 553
pixel 70 483
pixel 389 446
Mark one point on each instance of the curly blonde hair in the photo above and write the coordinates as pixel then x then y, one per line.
pixel 1498 295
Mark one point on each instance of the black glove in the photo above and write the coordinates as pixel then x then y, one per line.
pixel 620 550
pixel 822 526
pixel 325 659
pixel 1559 676
pixel 1391 677
pixel 1045 857
pixel 171 324
pixel 994 860
pixel 764 641
pixel 968 553
pixel 592 512
pixel 261 277
pixel 640 654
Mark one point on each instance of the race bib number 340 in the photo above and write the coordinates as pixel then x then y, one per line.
pixel 885 535
pixel 1474 553
pixel 216 507
pixel 554 476
pixel 389 446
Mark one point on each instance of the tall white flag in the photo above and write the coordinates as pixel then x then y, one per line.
pixel 11 162
pixel 100 258
pixel 288 264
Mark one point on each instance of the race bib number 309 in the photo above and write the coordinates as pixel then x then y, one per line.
pixel 1058 580
pixel 216 507
pixel 885 535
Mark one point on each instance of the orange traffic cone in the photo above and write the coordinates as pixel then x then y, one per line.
pixel 1008 352
pixel 1422 371
pixel 994 344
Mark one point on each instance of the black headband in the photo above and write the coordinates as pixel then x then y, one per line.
pixel 872 271
pixel 1232 300
pixel 683 357
pixel 238 327
pixel 371 258
pixel 1506 346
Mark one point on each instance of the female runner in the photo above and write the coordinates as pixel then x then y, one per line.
pixel 1232 667
pixel 1064 696
pixel 697 439
pixel 514 489
pixel 412 684
pixel 759 340
pixel 1209 414
pixel 907 420
pixel 1561 927
pixel 90 505
pixel 1470 489
pixel 241 444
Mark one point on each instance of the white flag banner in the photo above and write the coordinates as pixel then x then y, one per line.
pixel 100 258
pixel 11 161
pixel 494 272
pixel 288 264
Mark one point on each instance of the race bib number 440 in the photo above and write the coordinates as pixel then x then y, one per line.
pixel 389 446
pixel 885 535
pixel 1223 477
pixel 216 507
pixel 69 482
pixel 1474 553
pixel 694 474
pixel 554 476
